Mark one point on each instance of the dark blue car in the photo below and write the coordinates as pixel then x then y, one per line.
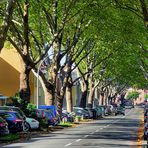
pixel 14 119
pixel 52 120
pixel 3 127
pixel 51 114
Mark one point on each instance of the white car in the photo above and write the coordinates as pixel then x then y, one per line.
pixel 31 123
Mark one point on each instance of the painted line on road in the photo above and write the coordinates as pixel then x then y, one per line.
pixel 97 131
pixel 68 144
pixel 101 128
pixel 86 136
pixel 91 133
pixel 78 140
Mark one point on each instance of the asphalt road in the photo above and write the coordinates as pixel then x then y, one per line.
pixel 109 132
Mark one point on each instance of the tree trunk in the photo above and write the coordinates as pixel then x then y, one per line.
pixel 24 82
pixel 101 101
pixel 105 99
pixel 91 93
pixel 69 100
pixel 49 93
pixel 84 94
pixel 48 88
pixel 49 98
pixel 60 96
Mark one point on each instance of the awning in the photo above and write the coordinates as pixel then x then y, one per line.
pixel 3 97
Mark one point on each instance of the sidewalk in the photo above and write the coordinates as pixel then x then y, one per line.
pixel 144 144
pixel 141 142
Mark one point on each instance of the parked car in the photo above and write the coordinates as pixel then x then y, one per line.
pixel 67 117
pixel 3 127
pixel 108 110
pixel 146 131
pixel 120 110
pixel 129 105
pixel 52 120
pixel 52 108
pixel 93 112
pixel 29 123
pixel 32 123
pixel 99 111
pixel 45 116
pixel 12 108
pixel 102 109
pixel 89 112
pixel 14 120
pixel 81 112
pixel 53 112
pixel 146 116
pixel 37 114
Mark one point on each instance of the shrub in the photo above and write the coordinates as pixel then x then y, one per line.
pixel 133 95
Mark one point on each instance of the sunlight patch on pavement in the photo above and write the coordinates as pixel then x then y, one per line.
pixel 86 136
pixel 78 140
pixel 140 132
pixel 68 144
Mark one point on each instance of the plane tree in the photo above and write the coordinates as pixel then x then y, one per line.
pixel 139 10
pixel 124 37
pixel 6 12
pixel 23 34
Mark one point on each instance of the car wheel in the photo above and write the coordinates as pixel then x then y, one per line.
pixel 26 127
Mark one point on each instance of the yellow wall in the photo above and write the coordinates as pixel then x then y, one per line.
pixel 9 79
pixel 10 73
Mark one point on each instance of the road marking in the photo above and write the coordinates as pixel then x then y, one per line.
pixel 68 144
pixel 101 128
pixel 97 131
pixel 91 133
pixel 78 140
pixel 86 136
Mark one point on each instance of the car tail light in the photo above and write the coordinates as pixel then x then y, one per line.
pixel 2 124
pixel 17 120
pixel 43 114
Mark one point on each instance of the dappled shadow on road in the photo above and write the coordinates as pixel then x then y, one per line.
pixel 106 145
pixel 114 135
pixel 122 130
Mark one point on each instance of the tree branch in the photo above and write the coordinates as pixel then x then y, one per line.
pixel 6 22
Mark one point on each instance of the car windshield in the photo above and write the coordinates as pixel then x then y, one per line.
pixel 18 116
